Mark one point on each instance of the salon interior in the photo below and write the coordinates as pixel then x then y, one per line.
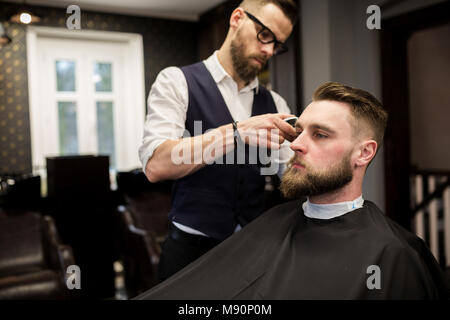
pixel 79 220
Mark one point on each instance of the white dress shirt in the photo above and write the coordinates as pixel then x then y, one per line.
pixel 169 99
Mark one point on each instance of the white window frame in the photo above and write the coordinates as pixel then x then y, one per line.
pixel 133 91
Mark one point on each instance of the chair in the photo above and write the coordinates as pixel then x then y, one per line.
pixel 148 203
pixel 13 189
pixel 81 202
pixel 139 253
pixel 33 262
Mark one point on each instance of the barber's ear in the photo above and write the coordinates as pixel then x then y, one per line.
pixel 366 152
pixel 236 18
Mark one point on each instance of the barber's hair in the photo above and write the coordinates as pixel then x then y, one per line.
pixel 288 7
pixel 365 108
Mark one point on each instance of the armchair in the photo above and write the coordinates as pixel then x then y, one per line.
pixel 33 262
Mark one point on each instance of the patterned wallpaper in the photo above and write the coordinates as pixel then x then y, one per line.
pixel 166 43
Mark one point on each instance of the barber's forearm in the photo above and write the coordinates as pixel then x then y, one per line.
pixel 160 166
pixel 174 159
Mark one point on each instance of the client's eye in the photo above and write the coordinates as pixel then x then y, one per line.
pixel 320 136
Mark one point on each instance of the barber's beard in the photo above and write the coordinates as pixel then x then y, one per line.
pixel 298 183
pixel 241 64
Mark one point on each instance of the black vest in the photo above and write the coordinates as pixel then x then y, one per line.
pixel 217 197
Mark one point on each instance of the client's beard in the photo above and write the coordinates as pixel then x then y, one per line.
pixel 246 71
pixel 296 184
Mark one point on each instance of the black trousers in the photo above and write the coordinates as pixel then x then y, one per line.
pixel 180 249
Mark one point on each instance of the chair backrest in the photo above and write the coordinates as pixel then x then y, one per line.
pixel 149 203
pixel 21 192
pixel 21 243
pixel 69 177
pixel 139 252
pixel 135 182
pixel 150 212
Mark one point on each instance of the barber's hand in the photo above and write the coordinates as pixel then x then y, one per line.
pixel 267 130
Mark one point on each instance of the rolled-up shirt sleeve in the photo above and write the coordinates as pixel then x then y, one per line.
pixel 166 112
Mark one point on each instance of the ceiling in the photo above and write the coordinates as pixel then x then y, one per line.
pixel 173 9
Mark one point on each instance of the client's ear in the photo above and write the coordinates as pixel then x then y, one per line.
pixel 367 151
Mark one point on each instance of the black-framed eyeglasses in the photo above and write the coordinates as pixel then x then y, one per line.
pixel 265 35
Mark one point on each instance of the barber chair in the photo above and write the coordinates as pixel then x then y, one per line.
pixel 148 203
pixel 81 202
pixel 15 188
pixel 139 253
pixel 33 262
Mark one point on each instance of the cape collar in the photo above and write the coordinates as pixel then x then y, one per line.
pixel 333 210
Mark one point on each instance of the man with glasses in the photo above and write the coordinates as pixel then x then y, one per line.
pixel 212 201
pixel 265 36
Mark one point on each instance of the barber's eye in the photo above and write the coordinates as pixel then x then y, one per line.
pixel 266 35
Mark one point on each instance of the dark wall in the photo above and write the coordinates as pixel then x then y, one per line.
pixel 166 43
pixel 213 28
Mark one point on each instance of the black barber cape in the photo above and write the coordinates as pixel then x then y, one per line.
pixel 285 255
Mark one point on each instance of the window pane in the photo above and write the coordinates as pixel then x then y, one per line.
pixel 67 120
pixel 105 130
pixel 102 77
pixel 65 75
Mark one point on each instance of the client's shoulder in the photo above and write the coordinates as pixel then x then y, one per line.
pixel 389 231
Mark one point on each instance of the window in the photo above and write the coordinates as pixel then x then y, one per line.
pixel 86 97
